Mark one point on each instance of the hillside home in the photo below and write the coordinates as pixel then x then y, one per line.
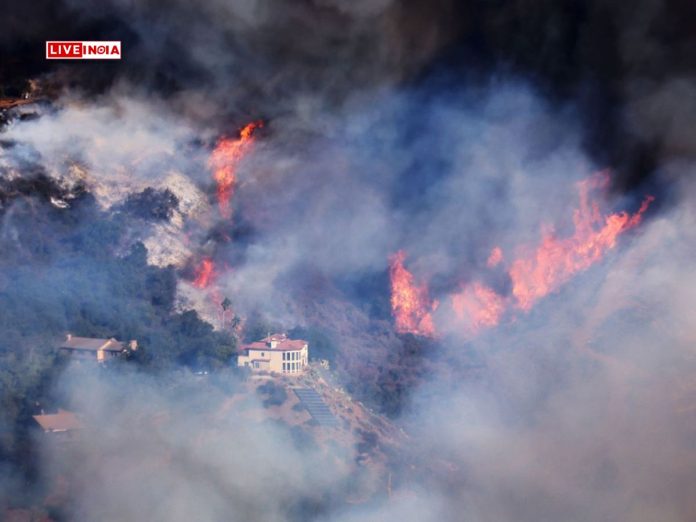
pixel 275 353
pixel 63 421
pixel 98 350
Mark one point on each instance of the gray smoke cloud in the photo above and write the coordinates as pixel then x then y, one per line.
pixel 578 410
pixel 588 410
pixel 584 411
pixel 175 449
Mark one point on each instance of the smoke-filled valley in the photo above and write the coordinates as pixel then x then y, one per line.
pixel 479 216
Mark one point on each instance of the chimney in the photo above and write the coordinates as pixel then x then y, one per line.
pixel 68 337
pixel 133 345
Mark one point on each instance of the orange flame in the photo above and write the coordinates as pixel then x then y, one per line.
pixel 224 160
pixel 205 273
pixel 411 306
pixel 555 260
pixel 533 275
pixel 478 306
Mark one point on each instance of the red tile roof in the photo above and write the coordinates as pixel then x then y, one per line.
pixel 283 344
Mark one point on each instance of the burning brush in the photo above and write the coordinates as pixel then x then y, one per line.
pixel 224 161
pixel 534 273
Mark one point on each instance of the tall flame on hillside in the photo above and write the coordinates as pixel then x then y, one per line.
pixel 205 273
pixel 224 161
pixel 556 260
pixel 410 303
pixel 535 273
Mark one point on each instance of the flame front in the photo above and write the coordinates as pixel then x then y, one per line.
pixel 411 306
pixel 205 273
pixel 555 260
pixel 224 160
pixel 534 274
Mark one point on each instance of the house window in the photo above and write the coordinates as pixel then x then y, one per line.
pixel 263 354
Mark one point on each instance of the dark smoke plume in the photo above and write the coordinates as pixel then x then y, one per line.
pixel 628 68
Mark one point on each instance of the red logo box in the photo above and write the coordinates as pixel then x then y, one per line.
pixel 83 50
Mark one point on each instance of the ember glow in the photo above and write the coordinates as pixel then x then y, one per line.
pixel 224 160
pixel 205 273
pixel 410 303
pixel 535 273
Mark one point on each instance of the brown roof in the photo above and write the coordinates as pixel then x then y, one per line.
pixel 8 103
pixel 283 343
pixel 61 421
pixel 73 342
